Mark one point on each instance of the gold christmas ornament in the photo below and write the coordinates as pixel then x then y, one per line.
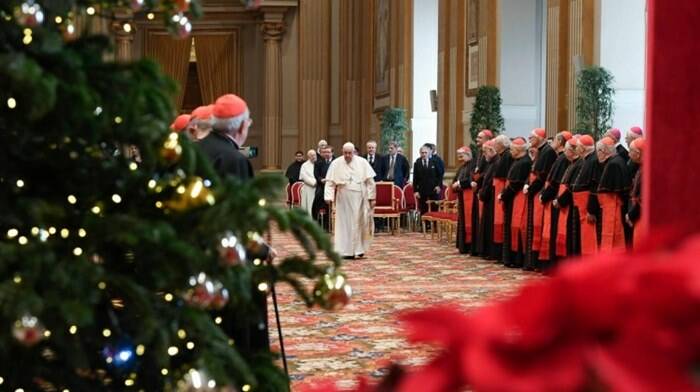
pixel 171 150
pixel 192 193
pixel 332 292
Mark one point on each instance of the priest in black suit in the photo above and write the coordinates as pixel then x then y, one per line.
pixel 426 179
pixel 375 160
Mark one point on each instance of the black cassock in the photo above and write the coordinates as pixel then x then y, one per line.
pixel 517 178
pixel 463 177
pixel 566 199
pixel 548 194
pixel 540 171
pixel 477 175
pixel 484 237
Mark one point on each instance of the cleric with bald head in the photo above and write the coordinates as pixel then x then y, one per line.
pixel 350 186
pixel 611 195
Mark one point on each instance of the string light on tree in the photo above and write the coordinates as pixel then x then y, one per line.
pixel 90 10
pixel 11 103
pixel 150 16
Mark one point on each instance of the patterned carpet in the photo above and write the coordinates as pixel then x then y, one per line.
pixel 407 271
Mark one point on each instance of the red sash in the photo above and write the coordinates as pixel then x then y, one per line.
pixel 612 236
pixel 518 221
pixel 561 226
pixel 498 186
pixel 546 230
pixel 589 242
pixel 537 218
pixel 637 236
pixel 467 198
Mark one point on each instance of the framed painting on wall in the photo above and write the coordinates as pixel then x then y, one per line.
pixel 381 48
pixel 473 22
pixel 472 70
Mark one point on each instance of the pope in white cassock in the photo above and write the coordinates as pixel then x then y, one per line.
pixel 350 185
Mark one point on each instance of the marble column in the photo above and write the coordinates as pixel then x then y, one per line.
pixel 273 30
pixel 123 30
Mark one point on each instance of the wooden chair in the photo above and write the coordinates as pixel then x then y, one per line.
pixel 388 204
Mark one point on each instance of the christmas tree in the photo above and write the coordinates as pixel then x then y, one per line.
pixel 123 255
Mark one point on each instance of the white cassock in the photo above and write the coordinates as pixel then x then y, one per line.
pixel 308 190
pixel 351 187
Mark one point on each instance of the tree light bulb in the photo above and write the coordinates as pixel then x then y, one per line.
pixel 133 166
pixel 262 202
pixel 82 233
pixel 140 349
pixel 262 286
pixel 118 120
pixel 58 19
pixel 23 240
pixel 218 320
pixel 65 233
pixel 190 345
pixel 96 210
pixel 116 198
pixel 73 330
pixel 164 371
pixel 77 251
pixel 12 233
pixel 90 10
pixel 26 40
pixel 127 27
pixel 128 382
pixel 168 297
pixel 11 102
pixel 20 183
pixel 245 388
pixel 72 199
pixel 52 230
pixel 172 351
pixel 150 16
pixel 106 333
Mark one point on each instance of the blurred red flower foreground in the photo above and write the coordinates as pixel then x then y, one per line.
pixel 626 322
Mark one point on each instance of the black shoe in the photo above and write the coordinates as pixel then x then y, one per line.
pixel 361 255
pixel 348 257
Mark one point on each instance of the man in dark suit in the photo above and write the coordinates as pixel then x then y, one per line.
pixel 320 170
pixel 375 160
pixel 439 163
pixel 221 146
pixel 396 166
pixel 426 179
pixel 232 121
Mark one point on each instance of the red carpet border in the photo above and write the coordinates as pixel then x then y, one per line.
pixel 402 272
